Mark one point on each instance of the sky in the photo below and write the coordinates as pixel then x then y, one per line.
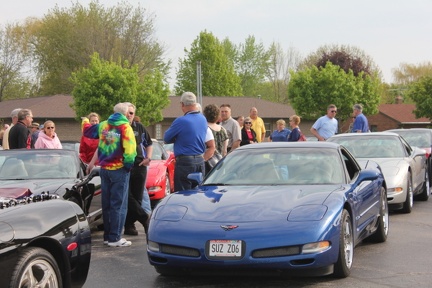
pixel 391 32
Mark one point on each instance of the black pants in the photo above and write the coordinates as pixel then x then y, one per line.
pixel 137 181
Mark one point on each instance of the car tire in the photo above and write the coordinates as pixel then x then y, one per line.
pixel 167 185
pixel 409 202
pixel 33 266
pixel 424 195
pixel 381 233
pixel 342 267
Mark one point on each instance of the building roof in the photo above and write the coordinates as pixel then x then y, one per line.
pixel 56 106
pixel 239 106
pixel 402 113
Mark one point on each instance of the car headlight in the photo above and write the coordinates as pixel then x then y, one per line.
pixel 315 247
pixel 307 213
pixel 170 213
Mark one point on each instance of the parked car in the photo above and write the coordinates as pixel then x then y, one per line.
pixel 419 137
pixel 160 179
pixel 43 244
pixel 30 173
pixel 404 167
pixel 278 207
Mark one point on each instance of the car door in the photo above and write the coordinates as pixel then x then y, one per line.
pixel 364 195
pixel 417 158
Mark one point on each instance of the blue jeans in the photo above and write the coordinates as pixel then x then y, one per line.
pixel 115 185
pixel 184 166
pixel 145 204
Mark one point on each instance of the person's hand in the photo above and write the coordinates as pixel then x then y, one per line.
pixel 89 168
pixel 145 162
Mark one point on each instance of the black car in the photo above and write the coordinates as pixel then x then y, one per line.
pixel 56 172
pixel 43 244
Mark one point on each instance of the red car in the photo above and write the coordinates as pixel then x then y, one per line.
pixel 160 178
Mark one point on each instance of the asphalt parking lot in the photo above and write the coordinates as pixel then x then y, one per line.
pixel 403 261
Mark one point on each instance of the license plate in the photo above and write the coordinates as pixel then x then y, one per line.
pixel 225 248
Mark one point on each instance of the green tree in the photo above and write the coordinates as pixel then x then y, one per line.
pixel 421 92
pixel 103 84
pixel 313 89
pixel 14 60
pixel 218 75
pixel 252 64
pixel 66 38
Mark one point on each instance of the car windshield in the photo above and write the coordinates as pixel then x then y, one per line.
pixel 287 166
pixel 421 139
pixel 372 146
pixel 38 164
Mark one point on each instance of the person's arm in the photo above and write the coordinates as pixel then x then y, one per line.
pixel 211 148
pixel 92 162
pixel 147 160
pixel 316 134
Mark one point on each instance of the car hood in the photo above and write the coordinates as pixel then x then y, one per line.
pixel 155 167
pixel 21 188
pixel 254 203
pixel 389 167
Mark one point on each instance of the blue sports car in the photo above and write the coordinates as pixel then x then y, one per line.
pixel 286 208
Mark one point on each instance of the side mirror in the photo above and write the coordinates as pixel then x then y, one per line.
pixel 195 177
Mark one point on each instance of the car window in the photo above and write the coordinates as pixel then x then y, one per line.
pixel 373 146
pixel 39 165
pixel 416 138
pixel 279 167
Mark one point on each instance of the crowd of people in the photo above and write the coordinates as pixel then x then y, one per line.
pixel 122 147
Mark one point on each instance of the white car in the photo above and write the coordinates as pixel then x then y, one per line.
pixel 404 167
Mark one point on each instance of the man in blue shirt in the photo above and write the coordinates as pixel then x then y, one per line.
pixel 360 124
pixel 327 125
pixel 188 133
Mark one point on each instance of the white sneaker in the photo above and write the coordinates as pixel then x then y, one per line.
pixel 121 243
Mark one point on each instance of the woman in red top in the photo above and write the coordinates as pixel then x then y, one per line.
pixel 89 146
pixel 248 134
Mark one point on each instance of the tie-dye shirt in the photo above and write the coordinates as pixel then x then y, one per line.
pixel 117 146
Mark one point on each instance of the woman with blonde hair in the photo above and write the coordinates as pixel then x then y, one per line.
pixel 47 138
pixel 281 133
pixel 295 132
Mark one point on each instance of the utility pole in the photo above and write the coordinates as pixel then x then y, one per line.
pixel 199 83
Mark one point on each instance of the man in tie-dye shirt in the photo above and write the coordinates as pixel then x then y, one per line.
pixel 116 155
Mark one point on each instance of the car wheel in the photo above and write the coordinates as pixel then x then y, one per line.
pixel 343 265
pixel 430 171
pixel 381 233
pixel 36 268
pixel 409 202
pixel 424 195
pixel 167 185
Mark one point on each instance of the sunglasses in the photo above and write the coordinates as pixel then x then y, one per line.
pixel 248 122
pixel 333 111
pixel 49 127
pixel 131 113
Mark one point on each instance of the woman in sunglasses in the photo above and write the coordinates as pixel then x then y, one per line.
pixel 47 138
pixel 248 134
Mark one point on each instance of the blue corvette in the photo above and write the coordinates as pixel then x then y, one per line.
pixel 285 208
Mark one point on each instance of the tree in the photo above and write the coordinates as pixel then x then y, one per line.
pixel 252 64
pixel 104 84
pixel 346 57
pixel 421 92
pixel 408 73
pixel 66 38
pixel 218 75
pixel 278 71
pixel 313 89
pixel 14 57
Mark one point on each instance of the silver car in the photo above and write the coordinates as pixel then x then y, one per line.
pixel 404 167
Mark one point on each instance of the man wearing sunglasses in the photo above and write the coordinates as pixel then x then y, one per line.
pixel 327 125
